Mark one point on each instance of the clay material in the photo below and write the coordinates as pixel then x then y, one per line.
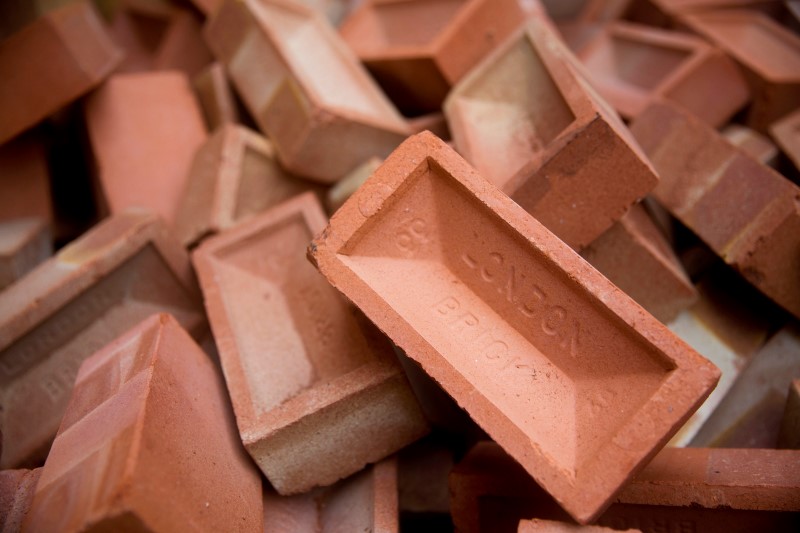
pixel 750 414
pixel 16 494
pixel 418 49
pixel 786 133
pixel 756 145
pixel 561 368
pixel 144 130
pixel 344 188
pixel 532 125
pixel 366 501
pixel 234 175
pixel 769 53
pixel 746 212
pixel 317 393
pixel 25 180
pixel 536 525
pixel 789 436
pixel 682 489
pixel 633 66
pixel 636 257
pixel 70 306
pixel 215 96
pixel 24 243
pixel 304 87
pixel 148 443
pixel 51 62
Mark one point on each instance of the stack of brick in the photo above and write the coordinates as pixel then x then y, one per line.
pixel 399 265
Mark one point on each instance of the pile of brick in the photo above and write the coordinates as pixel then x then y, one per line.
pixel 399 265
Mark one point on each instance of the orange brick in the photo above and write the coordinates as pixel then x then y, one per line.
pixel 148 443
pixel 633 66
pixel 304 87
pixel 746 212
pixel 500 313
pixel 531 125
pixel 144 130
pixel 537 525
pixel 215 96
pixel 24 243
pixel 682 489
pixel 769 53
pixel 51 62
pixel 635 256
pixel 786 133
pixel 73 304
pixel 366 501
pixel 789 436
pixel 418 49
pixel 344 188
pixel 317 393
pixel 756 145
pixel 16 494
pixel 25 180
pixel 234 175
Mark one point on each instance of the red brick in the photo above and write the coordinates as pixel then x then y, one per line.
pixel 498 304
pixel 750 414
pixel 418 49
pixel 123 270
pixel 786 133
pixel 366 501
pixel 148 443
pixel 144 130
pixel 789 436
pixel 533 127
pixel 744 211
pixel 633 66
pixel 234 176
pixel 317 393
pixel 215 96
pixel 24 243
pixel 756 145
pixel 769 53
pixel 422 474
pixel 537 525
pixel 635 256
pixel 305 89
pixel 16 494
pixel 682 489
pixel 344 188
pixel 51 62
pixel 25 180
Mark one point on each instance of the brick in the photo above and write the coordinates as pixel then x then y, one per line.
pixel 636 257
pixel 71 305
pixel 334 10
pixel 366 501
pixel 158 36
pixel 51 62
pixel 312 379
pixel 422 474
pixel 682 489
pixel 16 494
pixel 305 89
pixel 215 96
pixel 24 243
pixel 768 52
pixel 25 179
pixel 144 130
pixel 789 436
pixel 344 188
pixel 148 443
pixel 418 49
pixel 499 304
pixel 750 414
pixel 597 11
pixel 235 175
pixel 786 133
pixel 531 125
pixel 633 66
pixel 436 123
pixel 537 525
pixel 664 13
pixel 756 145
pixel 744 211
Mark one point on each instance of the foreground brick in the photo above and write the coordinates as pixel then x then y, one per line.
pixel 16 494
pixel 746 212
pixel 144 130
pixel 305 89
pixel 682 489
pixel 70 306
pixel 633 66
pixel 317 393
pixel 24 243
pixel 534 128
pixel 497 305
pixel 148 443
pixel 51 62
